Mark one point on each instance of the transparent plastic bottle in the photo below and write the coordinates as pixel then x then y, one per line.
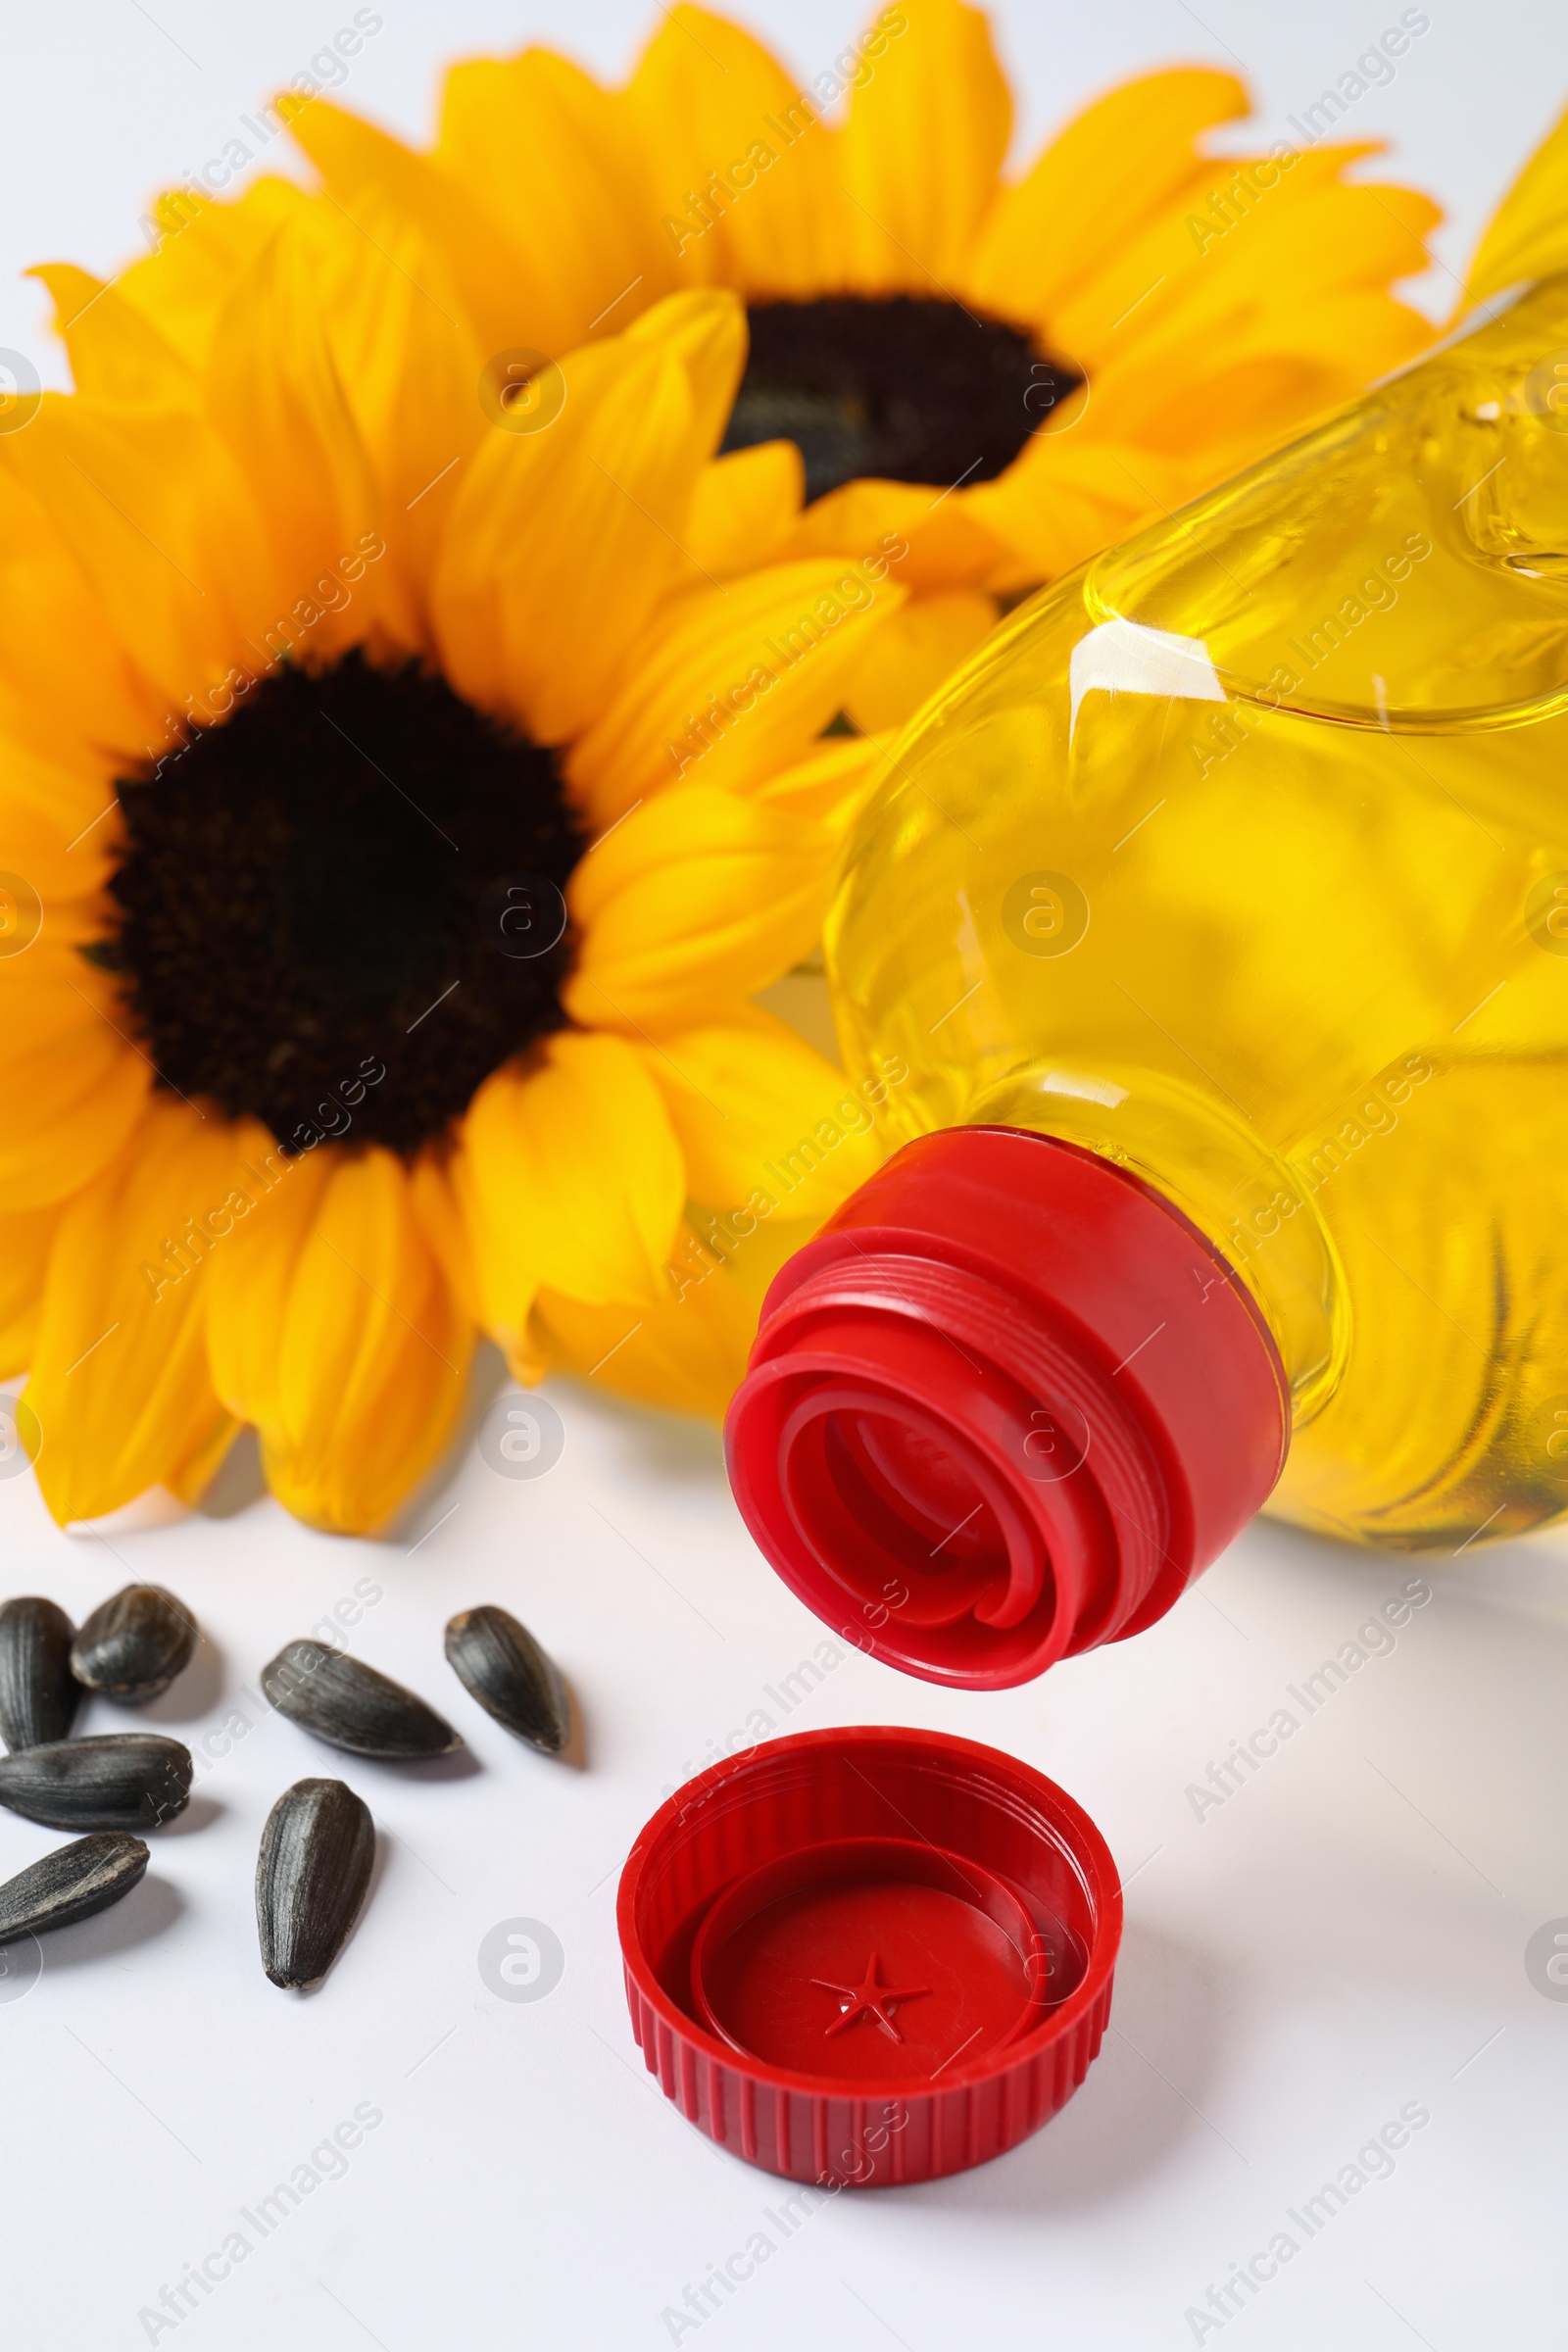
pixel 1239 860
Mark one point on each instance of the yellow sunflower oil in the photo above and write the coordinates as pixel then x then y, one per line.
pixel 1241 858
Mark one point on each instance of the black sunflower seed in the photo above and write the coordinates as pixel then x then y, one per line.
pixel 133 1646
pixel 38 1692
pixel 350 1706
pixel 498 1662
pixel 123 1781
pixel 311 1879
pixel 70 1884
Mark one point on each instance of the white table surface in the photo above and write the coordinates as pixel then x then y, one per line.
pixel 1343 1938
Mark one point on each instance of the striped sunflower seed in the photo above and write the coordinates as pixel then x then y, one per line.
pixel 350 1706
pixel 121 1781
pixel 501 1664
pixel 38 1692
pixel 133 1645
pixel 312 1877
pixel 70 1884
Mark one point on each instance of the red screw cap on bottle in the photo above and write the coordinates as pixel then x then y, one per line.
pixel 1003 1407
pixel 869 1956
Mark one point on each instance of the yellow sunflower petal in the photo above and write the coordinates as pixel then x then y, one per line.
pixel 1222 418
pixel 707 332
pixel 560 540
pixel 696 894
pixel 200 250
pixel 759 1113
pixel 189 1481
pixel 160 523
pixel 408 366
pixel 743 505
pixel 332 1326
pixel 920 154
pixel 686 1356
pixel 1527 236
pixel 1291 246
pixel 64 1054
pixel 1117 163
pixel 1069 494
pixel 436 1206
pixel 496 285
pixel 1339 236
pixel 732 683
pixel 571 1177
pixel 832 783
pixel 915 653
pixel 487 1263
pixel 274 393
pixel 115 352
pixel 58 830
pixel 25 1238
pixel 687 1351
pixel 740 167
pixel 532 139
pixel 63 671
pixel 1216 304
pixel 932 540
pixel 120 1381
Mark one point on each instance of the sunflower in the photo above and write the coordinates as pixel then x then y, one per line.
pixel 399 818
pixel 1001 375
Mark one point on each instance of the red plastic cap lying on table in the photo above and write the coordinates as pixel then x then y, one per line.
pixel 869 1956
pixel 1003 1406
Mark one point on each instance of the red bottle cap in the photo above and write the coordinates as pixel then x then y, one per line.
pixel 1003 1407
pixel 869 1956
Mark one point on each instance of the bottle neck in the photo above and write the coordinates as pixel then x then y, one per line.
pixel 1212 1166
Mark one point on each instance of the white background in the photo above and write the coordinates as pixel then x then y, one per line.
pixel 1343 1936
pixel 105 102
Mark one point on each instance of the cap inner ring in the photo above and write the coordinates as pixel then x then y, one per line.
pixel 989 1561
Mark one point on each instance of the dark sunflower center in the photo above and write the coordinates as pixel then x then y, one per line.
pixel 357 872
pixel 901 387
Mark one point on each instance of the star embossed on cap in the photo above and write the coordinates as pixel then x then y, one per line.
pixel 870 2000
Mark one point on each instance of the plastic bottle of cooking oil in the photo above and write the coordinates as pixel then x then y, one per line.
pixel 1229 879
